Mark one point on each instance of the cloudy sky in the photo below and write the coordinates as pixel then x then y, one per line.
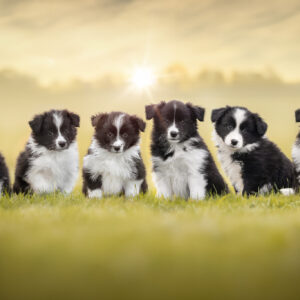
pixel 57 40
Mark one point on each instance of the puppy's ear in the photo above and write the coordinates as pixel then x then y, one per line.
pixel 261 125
pixel 97 118
pixel 36 123
pixel 197 111
pixel 75 119
pixel 152 108
pixel 138 123
pixel 297 115
pixel 216 114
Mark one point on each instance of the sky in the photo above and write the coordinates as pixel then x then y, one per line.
pixel 60 41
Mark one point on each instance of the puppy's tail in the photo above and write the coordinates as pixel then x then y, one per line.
pixel 287 192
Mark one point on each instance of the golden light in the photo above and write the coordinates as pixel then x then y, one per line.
pixel 143 78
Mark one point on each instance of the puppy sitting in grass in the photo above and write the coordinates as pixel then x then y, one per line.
pixel 114 165
pixel 4 177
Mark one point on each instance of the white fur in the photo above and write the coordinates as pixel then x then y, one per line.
pixel 173 127
pixel 239 116
pixel 58 120
pixel 116 169
pixel 97 193
pixel 232 168
pixel 265 189
pixel 119 142
pixel 52 170
pixel 296 158
pixel 287 191
pixel 181 173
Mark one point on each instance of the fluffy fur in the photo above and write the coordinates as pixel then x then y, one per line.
pixel 252 162
pixel 182 164
pixel 114 164
pixel 4 177
pixel 50 161
pixel 296 149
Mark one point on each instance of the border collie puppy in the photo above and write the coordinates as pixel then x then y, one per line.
pixel 50 161
pixel 182 164
pixel 252 162
pixel 4 177
pixel 296 149
pixel 114 164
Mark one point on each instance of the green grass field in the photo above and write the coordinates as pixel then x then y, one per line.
pixel 57 247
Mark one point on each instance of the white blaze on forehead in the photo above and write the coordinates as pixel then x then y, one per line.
pixel 239 116
pixel 118 123
pixel 58 121
pixel 173 127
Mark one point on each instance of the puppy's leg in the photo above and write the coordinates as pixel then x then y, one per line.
pixel 41 184
pixel 163 185
pixel 132 187
pixel 92 185
pixel 197 185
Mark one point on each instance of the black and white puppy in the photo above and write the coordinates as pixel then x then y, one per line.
pixel 252 162
pixel 182 164
pixel 114 164
pixel 50 161
pixel 296 149
pixel 4 177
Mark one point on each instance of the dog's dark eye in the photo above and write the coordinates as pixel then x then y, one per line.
pixel 244 130
pixel 50 133
pixel 109 134
pixel 229 127
pixel 124 135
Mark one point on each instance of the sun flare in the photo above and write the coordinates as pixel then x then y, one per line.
pixel 143 78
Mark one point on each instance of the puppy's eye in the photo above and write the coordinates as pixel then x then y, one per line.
pixel 244 130
pixel 124 135
pixel 229 127
pixel 50 133
pixel 109 134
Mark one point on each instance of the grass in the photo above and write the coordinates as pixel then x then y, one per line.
pixel 146 248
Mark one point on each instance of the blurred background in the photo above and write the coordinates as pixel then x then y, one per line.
pixel 119 55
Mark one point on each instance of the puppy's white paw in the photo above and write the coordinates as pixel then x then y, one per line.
pixel 97 193
pixel 287 192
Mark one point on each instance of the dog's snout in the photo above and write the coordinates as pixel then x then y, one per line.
pixel 62 144
pixel 234 142
pixel 117 148
pixel 174 134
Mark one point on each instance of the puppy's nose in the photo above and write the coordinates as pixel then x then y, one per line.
pixel 173 134
pixel 62 144
pixel 234 142
pixel 117 148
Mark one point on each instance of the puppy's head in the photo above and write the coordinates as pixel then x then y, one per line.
pixel 55 129
pixel 237 126
pixel 116 131
pixel 175 120
pixel 297 115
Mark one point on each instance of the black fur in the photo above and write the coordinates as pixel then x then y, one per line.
pixel 264 164
pixel 4 176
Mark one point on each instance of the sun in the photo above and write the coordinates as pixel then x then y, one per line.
pixel 143 78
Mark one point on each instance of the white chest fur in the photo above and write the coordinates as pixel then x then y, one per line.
pixel 233 169
pixel 53 170
pixel 117 169
pixel 180 174
pixel 296 157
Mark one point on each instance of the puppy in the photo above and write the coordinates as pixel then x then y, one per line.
pixel 182 164
pixel 252 162
pixel 296 149
pixel 4 177
pixel 50 160
pixel 114 164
